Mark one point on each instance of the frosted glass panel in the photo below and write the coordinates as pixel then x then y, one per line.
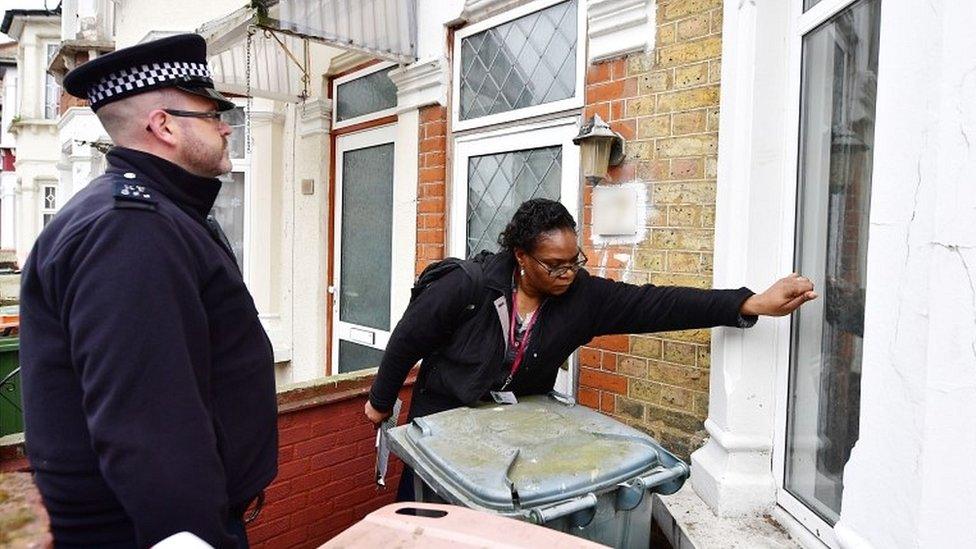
pixel 371 93
pixel 367 233
pixel 228 209
pixel 353 356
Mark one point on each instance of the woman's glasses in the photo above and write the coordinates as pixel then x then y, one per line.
pixel 556 272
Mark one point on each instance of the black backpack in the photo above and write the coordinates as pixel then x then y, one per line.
pixel 473 267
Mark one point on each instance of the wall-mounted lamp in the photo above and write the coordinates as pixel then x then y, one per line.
pixel 600 148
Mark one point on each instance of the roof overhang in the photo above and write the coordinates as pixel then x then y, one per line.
pixel 286 35
pixel 13 20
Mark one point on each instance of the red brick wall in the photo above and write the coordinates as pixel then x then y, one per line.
pixel 326 455
pixel 431 206
pixel 325 466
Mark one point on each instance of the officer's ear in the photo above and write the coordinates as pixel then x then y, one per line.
pixel 161 125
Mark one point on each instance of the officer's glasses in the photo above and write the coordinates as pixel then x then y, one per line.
pixel 556 272
pixel 215 115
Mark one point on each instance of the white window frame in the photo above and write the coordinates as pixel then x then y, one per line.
pixel 801 24
pixel 44 210
pixel 336 124
pixel 574 102
pixel 548 133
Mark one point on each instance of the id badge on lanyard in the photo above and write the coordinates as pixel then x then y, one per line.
pixel 522 345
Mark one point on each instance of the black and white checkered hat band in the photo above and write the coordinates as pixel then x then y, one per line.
pixel 146 76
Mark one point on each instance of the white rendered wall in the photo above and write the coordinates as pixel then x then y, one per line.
pixel 77 126
pixel 136 18
pixel 432 16
pixel 910 481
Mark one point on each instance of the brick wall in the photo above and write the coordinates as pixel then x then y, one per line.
pixel 67 100
pixel 665 104
pixel 431 206
pixel 326 455
pixel 325 466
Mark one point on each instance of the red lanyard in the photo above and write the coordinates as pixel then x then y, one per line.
pixel 522 345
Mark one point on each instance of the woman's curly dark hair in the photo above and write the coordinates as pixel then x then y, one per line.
pixel 534 218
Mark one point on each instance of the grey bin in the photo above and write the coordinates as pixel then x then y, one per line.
pixel 546 461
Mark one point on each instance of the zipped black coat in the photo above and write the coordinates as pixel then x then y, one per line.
pixel 463 352
pixel 148 380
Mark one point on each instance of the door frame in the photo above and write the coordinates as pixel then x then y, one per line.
pixel 380 135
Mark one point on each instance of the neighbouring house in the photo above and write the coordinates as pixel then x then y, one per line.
pixel 34 125
pixel 8 148
pixel 827 137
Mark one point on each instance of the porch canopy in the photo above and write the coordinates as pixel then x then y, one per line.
pixel 284 35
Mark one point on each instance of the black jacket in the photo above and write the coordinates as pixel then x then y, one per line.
pixel 463 354
pixel 148 381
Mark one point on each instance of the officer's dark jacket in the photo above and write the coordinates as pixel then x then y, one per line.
pixel 148 381
pixel 463 354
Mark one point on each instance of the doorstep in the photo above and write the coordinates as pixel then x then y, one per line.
pixel 688 523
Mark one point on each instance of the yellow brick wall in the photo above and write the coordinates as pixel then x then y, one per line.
pixel 665 103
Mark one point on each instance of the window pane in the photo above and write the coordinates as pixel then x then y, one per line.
pixel 52 91
pixel 499 183
pixel 367 236
pixel 50 198
pixel 228 209
pixel 371 93
pixel 807 4
pixel 840 61
pixel 353 357
pixel 236 139
pixel 528 61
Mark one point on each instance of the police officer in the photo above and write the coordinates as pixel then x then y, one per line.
pixel 148 381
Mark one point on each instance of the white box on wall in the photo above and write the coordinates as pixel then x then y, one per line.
pixel 615 211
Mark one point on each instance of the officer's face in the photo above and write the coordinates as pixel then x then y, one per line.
pixel 204 140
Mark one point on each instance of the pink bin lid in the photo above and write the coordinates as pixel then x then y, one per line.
pixel 432 526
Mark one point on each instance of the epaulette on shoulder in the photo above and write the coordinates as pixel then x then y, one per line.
pixel 129 194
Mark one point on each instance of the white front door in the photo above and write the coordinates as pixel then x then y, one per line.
pixel 362 301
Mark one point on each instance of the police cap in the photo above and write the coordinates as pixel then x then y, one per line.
pixel 178 61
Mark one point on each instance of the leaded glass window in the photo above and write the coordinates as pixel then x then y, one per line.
pixel 499 183
pixel 49 204
pixel 524 62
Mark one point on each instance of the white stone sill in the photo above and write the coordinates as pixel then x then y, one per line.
pixel 688 523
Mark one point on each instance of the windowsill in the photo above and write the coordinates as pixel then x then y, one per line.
pixel 688 523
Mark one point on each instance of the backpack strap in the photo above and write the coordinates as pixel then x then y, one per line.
pixel 476 273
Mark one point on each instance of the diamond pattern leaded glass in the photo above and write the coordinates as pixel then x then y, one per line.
pixel 499 183
pixel 50 198
pixel 525 62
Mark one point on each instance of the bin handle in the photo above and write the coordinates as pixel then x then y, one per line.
pixel 661 476
pixel 542 515
pixel 630 494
